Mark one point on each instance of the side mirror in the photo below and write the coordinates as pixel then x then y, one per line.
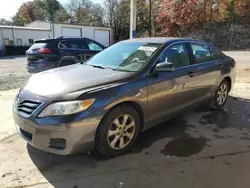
pixel 165 67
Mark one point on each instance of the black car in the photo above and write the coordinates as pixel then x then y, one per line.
pixel 50 53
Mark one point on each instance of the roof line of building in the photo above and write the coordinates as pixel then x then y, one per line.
pixel 70 24
pixel 24 28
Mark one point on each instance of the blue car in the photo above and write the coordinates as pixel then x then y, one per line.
pixel 50 53
pixel 123 90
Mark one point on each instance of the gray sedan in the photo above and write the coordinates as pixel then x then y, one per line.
pixel 125 89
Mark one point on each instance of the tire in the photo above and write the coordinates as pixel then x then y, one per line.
pixel 217 103
pixel 110 146
pixel 67 60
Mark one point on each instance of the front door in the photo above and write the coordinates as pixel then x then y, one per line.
pixel 166 90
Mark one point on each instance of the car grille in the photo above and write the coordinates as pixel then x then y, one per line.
pixel 57 143
pixel 27 107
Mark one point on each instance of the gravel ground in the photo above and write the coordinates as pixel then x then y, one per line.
pixel 13 72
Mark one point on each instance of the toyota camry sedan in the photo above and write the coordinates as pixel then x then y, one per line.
pixel 129 87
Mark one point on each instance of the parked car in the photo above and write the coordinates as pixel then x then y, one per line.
pixel 125 89
pixel 50 53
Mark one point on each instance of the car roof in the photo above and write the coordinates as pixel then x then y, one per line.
pixel 61 38
pixel 161 40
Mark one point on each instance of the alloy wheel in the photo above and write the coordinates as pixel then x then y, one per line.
pixel 222 94
pixel 121 132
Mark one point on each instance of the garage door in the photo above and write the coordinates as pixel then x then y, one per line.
pixel 71 32
pixel 102 37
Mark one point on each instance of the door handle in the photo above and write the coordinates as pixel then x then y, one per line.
pixel 220 65
pixel 191 74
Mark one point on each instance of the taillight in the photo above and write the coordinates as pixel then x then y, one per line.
pixel 234 63
pixel 44 51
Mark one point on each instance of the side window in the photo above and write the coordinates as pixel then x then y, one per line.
pixel 201 53
pixel 73 44
pixel 63 45
pixel 94 46
pixel 176 54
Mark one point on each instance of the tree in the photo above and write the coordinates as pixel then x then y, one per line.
pixel 96 15
pixel 16 20
pixel 110 7
pixel 28 12
pixel 49 7
pixel 5 22
pixel 86 12
pixel 62 15
pixel 176 15
pixel 234 9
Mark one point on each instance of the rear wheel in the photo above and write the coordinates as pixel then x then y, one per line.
pixel 118 131
pixel 221 95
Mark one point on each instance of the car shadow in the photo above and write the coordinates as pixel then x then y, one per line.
pixel 57 168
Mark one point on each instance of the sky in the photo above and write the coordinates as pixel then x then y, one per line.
pixel 8 8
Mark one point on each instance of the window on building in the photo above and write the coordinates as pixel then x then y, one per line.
pixel 19 42
pixel 31 41
pixel 11 43
pixel 6 42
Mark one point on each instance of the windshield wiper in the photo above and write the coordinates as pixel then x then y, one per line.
pixel 98 66
pixel 101 67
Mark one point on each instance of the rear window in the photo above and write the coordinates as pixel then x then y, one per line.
pixel 39 45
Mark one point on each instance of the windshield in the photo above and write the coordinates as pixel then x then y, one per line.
pixel 125 56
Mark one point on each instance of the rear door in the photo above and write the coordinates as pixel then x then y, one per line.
pixel 83 49
pixel 72 48
pixel 204 72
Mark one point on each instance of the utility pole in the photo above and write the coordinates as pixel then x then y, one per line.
pixel 132 19
pixel 150 18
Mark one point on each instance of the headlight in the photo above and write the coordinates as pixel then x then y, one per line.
pixel 66 108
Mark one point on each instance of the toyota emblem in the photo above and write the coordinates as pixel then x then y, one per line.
pixel 19 97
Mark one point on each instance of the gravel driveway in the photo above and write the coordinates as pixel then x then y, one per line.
pixel 13 72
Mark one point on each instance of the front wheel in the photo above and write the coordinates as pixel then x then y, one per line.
pixel 221 95
pixel 118 131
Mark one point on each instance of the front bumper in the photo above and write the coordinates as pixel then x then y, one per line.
pixel 60 135
pixel 77 136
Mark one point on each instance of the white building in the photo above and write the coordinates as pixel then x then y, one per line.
pixel 25 36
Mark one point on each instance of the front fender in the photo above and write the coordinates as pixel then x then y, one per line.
pixel 108 97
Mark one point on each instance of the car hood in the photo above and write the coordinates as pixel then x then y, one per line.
pixel 60 82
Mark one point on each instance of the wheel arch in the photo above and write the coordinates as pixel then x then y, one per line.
pixel 229 81
pixel 134 105
pixel 67 58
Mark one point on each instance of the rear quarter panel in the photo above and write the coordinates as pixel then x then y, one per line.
pixel 229 70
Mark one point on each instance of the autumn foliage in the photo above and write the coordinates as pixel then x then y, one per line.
pixel 177 15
